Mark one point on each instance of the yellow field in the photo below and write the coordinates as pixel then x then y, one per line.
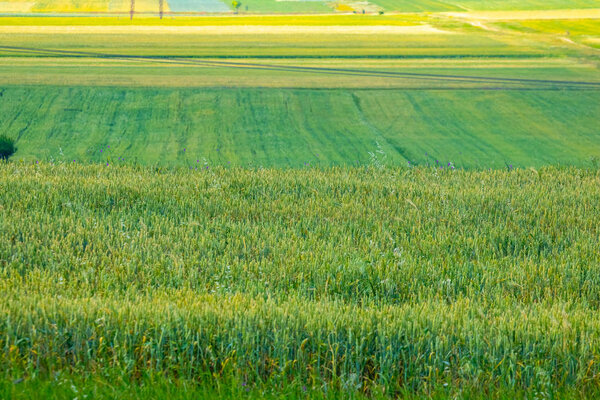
pixel 265 20
pixel 16 6
pixel 146 5
pixel 586 27
pixel 343 8
pixel 79 6
pixel 76 6
pixel 526 15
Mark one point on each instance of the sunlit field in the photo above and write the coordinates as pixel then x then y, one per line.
pixel 296 127
pixel 276 92
pixel 355 281
pixel 296 200
pixel 274 6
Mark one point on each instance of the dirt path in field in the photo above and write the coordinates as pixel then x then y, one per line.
pixel 579 45
pixel 567 40
pixel 520 83
pixel 479 24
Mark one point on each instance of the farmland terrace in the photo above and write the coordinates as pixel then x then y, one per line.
pixel 300 200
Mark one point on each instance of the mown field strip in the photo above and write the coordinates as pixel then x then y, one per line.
pixel 458 44
pixel 307 69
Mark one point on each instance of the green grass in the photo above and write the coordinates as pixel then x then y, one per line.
pixel 115 386
pixel 67 386
pixel 353 279
pixel 290 6
pixel 291 127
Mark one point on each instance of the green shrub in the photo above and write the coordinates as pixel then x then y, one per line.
pixel 7 147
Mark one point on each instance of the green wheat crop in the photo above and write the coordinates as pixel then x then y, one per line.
pixel 355 280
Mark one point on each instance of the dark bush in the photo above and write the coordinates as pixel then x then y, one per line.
pixel 7 147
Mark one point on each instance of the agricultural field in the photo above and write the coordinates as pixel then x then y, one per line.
pixel 297 127
pixel 256 91
pixel 511 5
pixel 585 33
pixel 349 281
pixel 307 205
pixel 24 7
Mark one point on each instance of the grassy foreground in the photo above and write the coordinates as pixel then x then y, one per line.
pixel 344 281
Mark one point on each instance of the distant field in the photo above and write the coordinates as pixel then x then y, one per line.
pixel 325 90
pixel 78 6
pixel 198 5
pixel 452 42
pixel 587 27
pixel 473 5
pixel 289 6
pixel 301 72
pixel 583 31
pixel 417 6
pixel 483 5
pixel 286 6
pixel 252 20
pixel 526 15
pixel 296 127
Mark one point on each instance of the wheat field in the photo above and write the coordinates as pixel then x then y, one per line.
pixel 367 281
